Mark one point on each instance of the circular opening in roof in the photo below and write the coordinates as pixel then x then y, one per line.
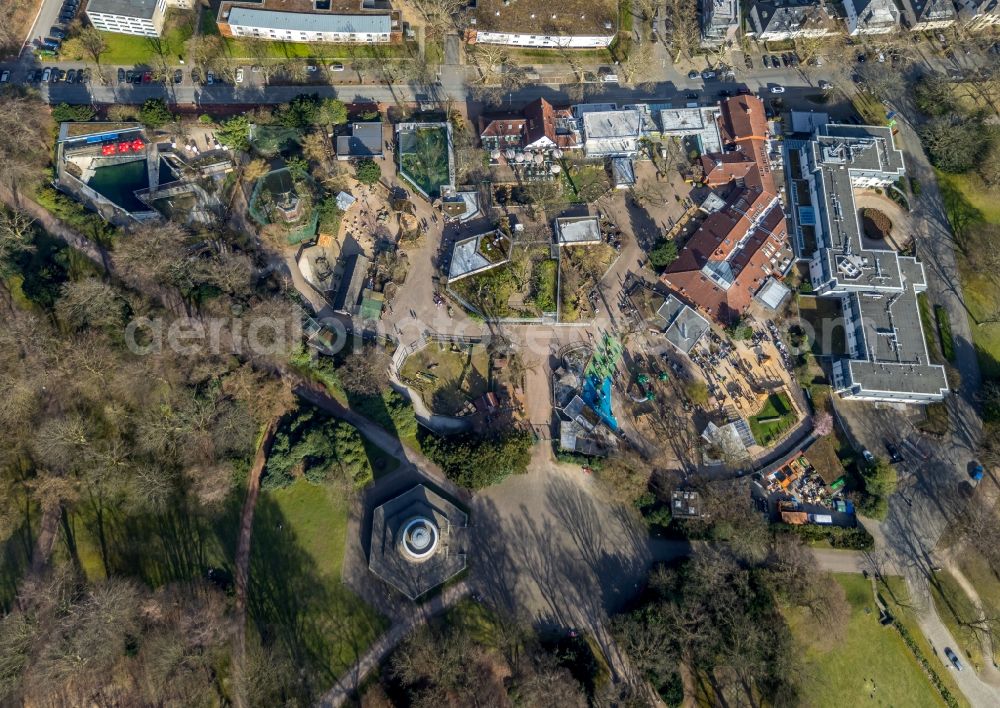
pixel 419 538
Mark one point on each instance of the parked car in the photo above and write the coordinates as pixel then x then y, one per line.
pixel 195 76
pixel 895 456
pixel 825 85
pixel 868 456
pixel 336 67
pixel 239 75
pixel 777 89
pixel 692 75
pixel 4 77
pixel 66 17
pixel 862 58
pixel 255 68
pixel 51 43
pixel 977 472
pixel 725 94
pixel 706 75
pixel 46 75
pixel 692 95
pixel 83 76
pixel 210 78
pixel 786 60
pixel 70 76
pixel 953 658
pixel 178 76
pixel 57 32
pixel 147 76
pixel 121 75
pixel 767 61
pixel 312 69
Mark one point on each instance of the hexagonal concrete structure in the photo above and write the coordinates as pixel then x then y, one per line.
pixel 412 537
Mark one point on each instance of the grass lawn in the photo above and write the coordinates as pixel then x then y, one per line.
pixel 129 49
pixel 944 331
pixel 448 379
pixel 773 419
pixel 967 201
pixel 296 595
pixel 870 659
pixel 237 49
pixel 978 572
pixel 555 56
pixel 973 192
pixel 930 331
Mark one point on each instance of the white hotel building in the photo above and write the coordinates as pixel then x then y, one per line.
pixel 139 17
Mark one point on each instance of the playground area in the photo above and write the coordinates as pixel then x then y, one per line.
pixel 448 376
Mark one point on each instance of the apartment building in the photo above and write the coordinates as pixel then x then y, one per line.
pixel 139 17
pixel 333 21
pixel 536 24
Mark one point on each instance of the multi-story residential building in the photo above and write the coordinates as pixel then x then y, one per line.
pixel 720 20
pixel 871 16
pixel 538 127
pixel 976 15
pixel 740 243
pixel 887 358
pixel 533 23
pixel 139 17
pixel 334 21
pixel 774 20
pixel 923 15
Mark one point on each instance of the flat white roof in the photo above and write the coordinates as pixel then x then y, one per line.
pixel 309 22
pixel 575 230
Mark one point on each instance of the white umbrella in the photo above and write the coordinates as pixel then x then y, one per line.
pixel 557 153
pixel 538 158
pixel 520 157
pixel 510 153
pixel 555 169
pixel 495 155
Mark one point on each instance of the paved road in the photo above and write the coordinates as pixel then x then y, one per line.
pixel 48 15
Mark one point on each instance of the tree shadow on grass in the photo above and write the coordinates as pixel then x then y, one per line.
pixel 158 548
pixel 15 557
pixel 323 625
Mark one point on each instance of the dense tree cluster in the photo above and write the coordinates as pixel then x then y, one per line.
pixel 320 447
pixel 721 615
pixel 452 666
pixel 114 643
pixel 880 482
pixel 476 462
pixel 956 140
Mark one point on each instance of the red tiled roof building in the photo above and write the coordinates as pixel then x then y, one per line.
pixel 729 257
